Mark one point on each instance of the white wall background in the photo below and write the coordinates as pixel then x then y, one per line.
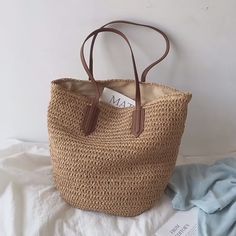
pixel 40 41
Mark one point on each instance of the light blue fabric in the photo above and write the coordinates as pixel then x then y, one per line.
pixel 210 188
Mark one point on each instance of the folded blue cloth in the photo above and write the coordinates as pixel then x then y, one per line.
pixel 210 188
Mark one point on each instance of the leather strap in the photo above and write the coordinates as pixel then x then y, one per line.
pixel 92 110
pixel 145 72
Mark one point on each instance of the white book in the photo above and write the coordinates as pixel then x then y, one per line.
pixel 116 99
pixel 182 223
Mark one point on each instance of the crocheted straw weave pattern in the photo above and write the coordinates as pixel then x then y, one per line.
pixel 110 170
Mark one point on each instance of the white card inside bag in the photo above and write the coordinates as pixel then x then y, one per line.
pixel 116 99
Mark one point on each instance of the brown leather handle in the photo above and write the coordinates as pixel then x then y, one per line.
pixel 144 74
pixel 92 110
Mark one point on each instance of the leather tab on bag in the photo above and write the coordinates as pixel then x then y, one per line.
pixel 90 119
pixel 138 117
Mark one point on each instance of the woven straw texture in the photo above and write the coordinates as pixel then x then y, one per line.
pixel 110 170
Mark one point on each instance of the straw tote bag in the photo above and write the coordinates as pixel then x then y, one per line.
pixel 109 159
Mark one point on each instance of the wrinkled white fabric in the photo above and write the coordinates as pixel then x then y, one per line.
pixel 30 205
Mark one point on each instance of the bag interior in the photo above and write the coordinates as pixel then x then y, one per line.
pixel 149 91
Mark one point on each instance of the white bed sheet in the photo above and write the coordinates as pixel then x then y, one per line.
pixel 30 204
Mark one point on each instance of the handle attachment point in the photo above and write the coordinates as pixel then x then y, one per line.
pixel 138 117
pixel 90 118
